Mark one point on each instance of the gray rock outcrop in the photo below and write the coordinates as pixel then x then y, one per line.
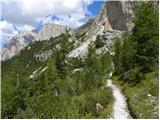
pixel 17 43
pixel 23 39
pixel 115 15
pixel 113 18
pixel 50 30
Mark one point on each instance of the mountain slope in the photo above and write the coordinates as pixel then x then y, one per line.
pixel 23 39
pixel 50 30
pixel 111 21
pixel 17 43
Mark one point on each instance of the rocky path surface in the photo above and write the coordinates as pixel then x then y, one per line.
pixel 120 109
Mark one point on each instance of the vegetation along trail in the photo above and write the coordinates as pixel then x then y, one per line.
pixel 120 109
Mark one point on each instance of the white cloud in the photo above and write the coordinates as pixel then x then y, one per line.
pixel 7 28
pixel 24 28
pixel 6 31
pixel 47 19
pixel 29 12
pixel 72 21
pixel 25 14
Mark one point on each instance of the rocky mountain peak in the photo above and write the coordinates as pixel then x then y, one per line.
pixel 17 43
pixel 24 38
pixel 50 30
pixel 113 18
pixel 115 15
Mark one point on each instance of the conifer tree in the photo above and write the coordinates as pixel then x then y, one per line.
pixel 146 34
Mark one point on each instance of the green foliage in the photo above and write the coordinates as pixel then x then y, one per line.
pixel 124 57
pixel 146 35
pixel 65 47
pixel 137 52
pixel 51 76
pixel 8 101
pixel 116 58
pixel 135 75
pixel 75 62
pixel 96 68
pixel 58 91
pixel 80 35
pixel 98 42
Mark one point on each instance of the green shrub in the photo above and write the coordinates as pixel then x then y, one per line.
pixel 135 75
pixel 99 42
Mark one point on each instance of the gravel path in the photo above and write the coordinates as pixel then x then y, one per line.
pixel 120 109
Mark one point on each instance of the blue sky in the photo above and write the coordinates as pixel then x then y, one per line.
pixel 95 7
pixel 24 15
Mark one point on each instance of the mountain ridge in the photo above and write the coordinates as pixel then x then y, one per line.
pixel 23 39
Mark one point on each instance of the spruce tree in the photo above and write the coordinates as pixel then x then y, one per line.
pixel 146 34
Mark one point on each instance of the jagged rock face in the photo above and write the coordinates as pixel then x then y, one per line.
pixel 50 30
pixel 84 27
pixel 115 15
pixel 23 39
pixel 108 37
pixel 114 18
pixel 17 43
pixel 6 54
pixel 156 5
pixel 43 56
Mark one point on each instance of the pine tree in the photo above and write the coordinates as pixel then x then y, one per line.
pixel 51 76
pixel 61 55
pixel 98 42
pixel 117 57
pixel 146 34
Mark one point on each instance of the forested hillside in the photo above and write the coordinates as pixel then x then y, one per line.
pixel 61 87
